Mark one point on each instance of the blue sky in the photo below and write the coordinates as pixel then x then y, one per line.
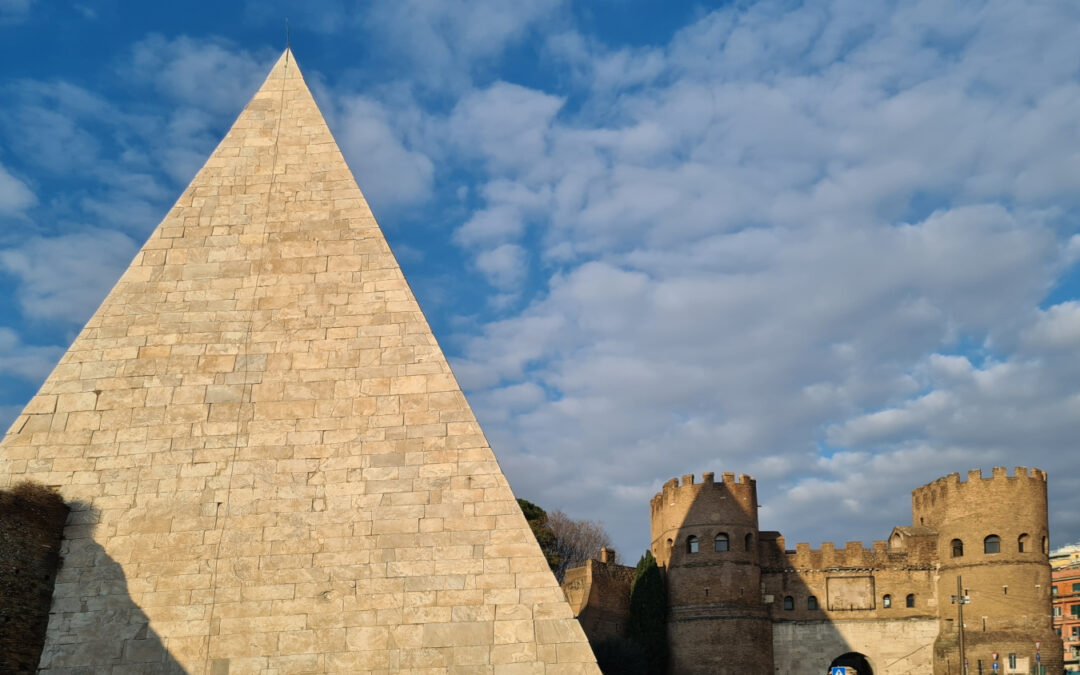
pixel 832 245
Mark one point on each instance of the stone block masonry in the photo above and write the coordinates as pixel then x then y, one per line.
pixel 275 469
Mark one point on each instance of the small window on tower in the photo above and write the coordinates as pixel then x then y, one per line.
pixel 992 544
pixel 957 548
pixel 748 541
pixel 909 601
pixel 1022 543
pixel 789 602
pixel 721 543
pixel 811 603
pixel 691 544
pixel 886 601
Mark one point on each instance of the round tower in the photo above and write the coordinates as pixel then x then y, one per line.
pixel 992 543
pixel 705 537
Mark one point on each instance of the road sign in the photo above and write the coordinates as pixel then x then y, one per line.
pixel 994 654
pixel 838 670
pixel 1038 643
pixel 1038 657
pixel 995 666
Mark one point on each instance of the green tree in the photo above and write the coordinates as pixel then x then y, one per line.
pixel 538 523
pixel 648 613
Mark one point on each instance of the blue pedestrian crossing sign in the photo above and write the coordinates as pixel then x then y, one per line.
pixel 838 670
pixel 995 666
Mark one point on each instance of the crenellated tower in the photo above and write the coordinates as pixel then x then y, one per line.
pixel 705 536
pixel 991 534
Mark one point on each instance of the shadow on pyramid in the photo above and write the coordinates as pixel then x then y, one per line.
pixel 279 461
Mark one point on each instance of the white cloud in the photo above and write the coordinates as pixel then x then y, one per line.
pixel 506 124
pixel 65 278
pixel 504 266
pixel 14 10
pixel 15 196
pixel 25 362
pixel 390 173
pixel 763 238
pixel 204 73
pixel 445 41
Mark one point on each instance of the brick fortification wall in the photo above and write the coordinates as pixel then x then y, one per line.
pixel 717 622
pixel 31 526
pixel 741 602
pixel 599 594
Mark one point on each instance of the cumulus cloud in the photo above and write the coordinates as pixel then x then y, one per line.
pixel 390 173
pixel 15 196
pixel 505 266
pixel 445 41
pixel 208 73
pixel 810 242
pixel 64 278
pixel 25 362
pixel 12 11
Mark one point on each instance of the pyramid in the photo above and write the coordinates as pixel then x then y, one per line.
pixel 271 466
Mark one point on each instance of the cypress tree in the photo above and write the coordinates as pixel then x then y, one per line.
pixel 648 613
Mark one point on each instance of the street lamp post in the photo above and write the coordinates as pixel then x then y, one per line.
pixel 961 599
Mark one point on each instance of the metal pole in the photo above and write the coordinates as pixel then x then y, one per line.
pixel 960 618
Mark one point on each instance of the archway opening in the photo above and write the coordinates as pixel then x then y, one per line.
pixel 855 663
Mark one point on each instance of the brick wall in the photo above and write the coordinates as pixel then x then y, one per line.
pixel 31 526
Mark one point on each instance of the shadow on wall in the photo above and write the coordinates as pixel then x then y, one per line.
pixel 94 626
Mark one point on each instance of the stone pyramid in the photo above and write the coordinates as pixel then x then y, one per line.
pixel 273 469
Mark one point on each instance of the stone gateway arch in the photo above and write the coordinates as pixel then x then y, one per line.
pixel 270 464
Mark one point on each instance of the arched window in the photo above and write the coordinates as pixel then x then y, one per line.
pixel 909 601
pixel 886 601
pixel 691 544
pixel 957 548
pixel 895 542
pixel 992 544
pixel 670 546
pixel 721 543
pixel 748 541
pixel 1022 543
pixel 811 602
pixel 789 602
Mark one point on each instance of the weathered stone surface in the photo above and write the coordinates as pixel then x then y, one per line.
pixel 271 466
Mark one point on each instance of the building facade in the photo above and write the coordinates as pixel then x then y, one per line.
pixel 1065 592
pixel 741 601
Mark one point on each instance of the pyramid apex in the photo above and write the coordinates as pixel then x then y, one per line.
pixel 287 61
pixel 260 415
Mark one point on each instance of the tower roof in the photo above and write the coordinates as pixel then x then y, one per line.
pixel 272 466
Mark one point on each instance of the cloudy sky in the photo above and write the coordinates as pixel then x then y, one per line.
pixel 832 245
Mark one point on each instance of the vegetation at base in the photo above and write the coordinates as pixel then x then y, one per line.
pixel 648 613
pixel 538 523
pixel 567 543
pixel 621 656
